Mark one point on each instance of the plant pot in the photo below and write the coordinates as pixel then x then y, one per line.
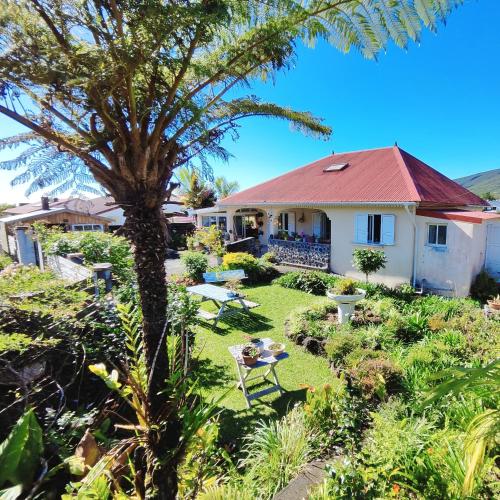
pixel 277 351
pixel 494 305
pixel 257 343
pixel 249 360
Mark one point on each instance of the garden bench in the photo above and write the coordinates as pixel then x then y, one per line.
pixel 221 276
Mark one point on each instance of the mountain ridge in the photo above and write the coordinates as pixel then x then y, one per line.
pixel 482 182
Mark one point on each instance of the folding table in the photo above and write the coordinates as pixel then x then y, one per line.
pixel 266 361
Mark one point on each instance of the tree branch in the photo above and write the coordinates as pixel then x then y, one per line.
pixel 100 171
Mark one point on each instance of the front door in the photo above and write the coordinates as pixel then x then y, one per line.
pixel 492 261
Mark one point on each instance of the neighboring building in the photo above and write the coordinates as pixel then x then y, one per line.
pixel 103 206
pixel 58 216
pixel 74 214
pixel 429 227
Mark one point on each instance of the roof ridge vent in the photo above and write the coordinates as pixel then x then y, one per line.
pixel 336 167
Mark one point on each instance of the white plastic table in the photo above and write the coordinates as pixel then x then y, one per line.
pixel 266 361
pixel 220 296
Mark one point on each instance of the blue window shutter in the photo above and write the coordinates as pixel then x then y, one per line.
pixel 361 229
pixel 388 229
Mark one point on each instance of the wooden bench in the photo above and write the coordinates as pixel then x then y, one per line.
pixel 221 276
pixel 207 316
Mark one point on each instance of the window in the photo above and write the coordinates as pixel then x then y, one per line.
pixel 220 221
pixel 287 222
pixel 375 229
pixel 437 234
pixel 87 227
pixel 208 220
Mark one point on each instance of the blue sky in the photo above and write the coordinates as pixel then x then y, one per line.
pixel 439 100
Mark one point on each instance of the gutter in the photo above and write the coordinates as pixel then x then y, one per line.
pixel 320 204
pixel 415 245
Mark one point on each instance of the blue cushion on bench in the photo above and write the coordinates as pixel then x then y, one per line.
pixel 220 276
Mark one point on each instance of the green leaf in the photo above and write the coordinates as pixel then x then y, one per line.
pixel 20 452
pixel 12 493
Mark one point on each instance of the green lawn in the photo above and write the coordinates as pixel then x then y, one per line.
pixel 218 370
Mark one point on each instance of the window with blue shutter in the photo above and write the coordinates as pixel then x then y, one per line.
pixel 375 229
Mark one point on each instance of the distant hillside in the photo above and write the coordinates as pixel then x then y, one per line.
pixel 482 182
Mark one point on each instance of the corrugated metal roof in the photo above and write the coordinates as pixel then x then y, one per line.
pixel 473 216
pixel 31 215
pixel 380 175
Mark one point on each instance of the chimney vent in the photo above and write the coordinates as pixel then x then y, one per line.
pixel 45 203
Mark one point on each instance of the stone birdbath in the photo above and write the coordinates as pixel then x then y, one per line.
pixel 346 303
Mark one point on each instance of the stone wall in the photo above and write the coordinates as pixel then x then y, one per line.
pixel 300 253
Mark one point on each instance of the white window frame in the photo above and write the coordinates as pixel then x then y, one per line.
pixel 82 226
pixel 436 244
pixel 291 223
pixel 387 229
pixel 213 220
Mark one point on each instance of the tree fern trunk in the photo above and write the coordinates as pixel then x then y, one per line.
pixel 147 231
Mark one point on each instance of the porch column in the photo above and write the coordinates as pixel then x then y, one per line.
pixel 270 223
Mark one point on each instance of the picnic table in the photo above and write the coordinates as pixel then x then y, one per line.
pixel 220 296
pixel 266 361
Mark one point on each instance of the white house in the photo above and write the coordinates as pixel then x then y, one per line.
pixel 429 227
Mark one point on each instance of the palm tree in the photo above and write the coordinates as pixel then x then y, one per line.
pixel 195 192
pixel 225 188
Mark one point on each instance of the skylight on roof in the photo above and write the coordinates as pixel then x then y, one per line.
pixel 336 167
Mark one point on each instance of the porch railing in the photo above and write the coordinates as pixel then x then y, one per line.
pixel 301 253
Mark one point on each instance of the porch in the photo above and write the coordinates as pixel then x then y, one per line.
pixel 301 253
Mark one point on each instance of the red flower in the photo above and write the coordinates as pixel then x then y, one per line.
pixel 396 488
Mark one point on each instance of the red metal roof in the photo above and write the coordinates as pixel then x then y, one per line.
pixel 377 175
pixel 473 216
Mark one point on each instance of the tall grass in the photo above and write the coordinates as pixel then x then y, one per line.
pixel 276 452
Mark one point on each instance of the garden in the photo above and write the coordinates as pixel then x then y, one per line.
pixel 399 401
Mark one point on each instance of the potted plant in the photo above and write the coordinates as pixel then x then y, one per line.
pixel 276 348
pixel 250 354
pixel 345 294
pixel 494 303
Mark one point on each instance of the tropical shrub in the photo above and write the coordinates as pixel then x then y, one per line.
pixel 95 246
pixel 196 264
pixel 210 238
pixel 28 288
pixel 344 286
pixel 257 270
pixel 314 282
pixel 269 257
pixel 373 373
pixel 368 260
pixel 275 452
pixel 483 287
pixel 5 260
pixel 341 344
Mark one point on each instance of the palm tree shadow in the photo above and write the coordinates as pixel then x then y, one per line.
pixel 235 424
pixel 210 374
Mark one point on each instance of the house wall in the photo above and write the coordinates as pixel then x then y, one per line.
pixel 451 269
pixel 399 256
pixel 116 216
